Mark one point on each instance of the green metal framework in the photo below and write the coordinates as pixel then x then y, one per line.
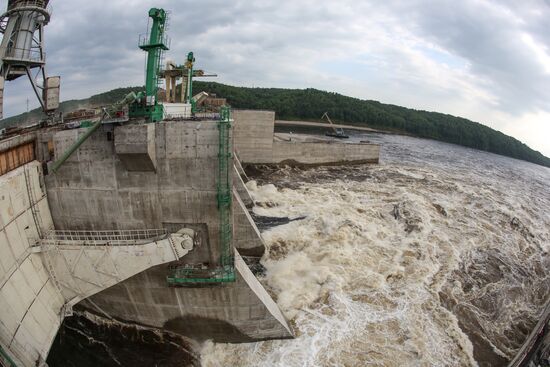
pixel 189 90
pixel 5 359
pixel 225 272
pixel 154 45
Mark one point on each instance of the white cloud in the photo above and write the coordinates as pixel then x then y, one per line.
pixel 484 60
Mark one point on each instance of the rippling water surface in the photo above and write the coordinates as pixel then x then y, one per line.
pixel 438 256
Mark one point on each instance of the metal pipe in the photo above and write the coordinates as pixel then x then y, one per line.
pixel 75 146
pixel 130 98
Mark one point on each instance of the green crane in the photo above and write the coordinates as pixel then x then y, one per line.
pixel 189 90
pixel 154 43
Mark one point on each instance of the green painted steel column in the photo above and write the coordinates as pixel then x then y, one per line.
pixel 156 43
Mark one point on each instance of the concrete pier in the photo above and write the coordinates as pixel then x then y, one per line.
pixel 255 144
pixel 109 186
pixel 44 273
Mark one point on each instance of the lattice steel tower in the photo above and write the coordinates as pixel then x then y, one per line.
pixel 22 50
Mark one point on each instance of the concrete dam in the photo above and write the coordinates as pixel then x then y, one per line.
pixel 128 219
pixel 134 219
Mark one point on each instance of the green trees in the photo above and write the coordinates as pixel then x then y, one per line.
pixel 310 104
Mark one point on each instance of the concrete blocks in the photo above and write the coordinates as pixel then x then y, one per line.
pixel 254 134
pixel 29 302
pixel 247 238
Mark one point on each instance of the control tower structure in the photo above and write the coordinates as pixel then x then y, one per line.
pixel 22 50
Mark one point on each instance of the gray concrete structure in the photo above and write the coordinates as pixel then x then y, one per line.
pixel 135 147
pixel 124 181
pixel 239 311
pixel 43 275
pixel 318 153
pixel 255 145
pixel 243 192
pixel 93 190
pixel 254 135
pixel 248 239
pixel 29 301
pixel 100 188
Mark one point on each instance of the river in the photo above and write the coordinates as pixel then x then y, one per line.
pixel 437 256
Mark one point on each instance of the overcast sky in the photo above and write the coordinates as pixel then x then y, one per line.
pixel 488 61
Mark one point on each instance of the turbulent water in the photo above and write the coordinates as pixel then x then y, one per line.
pixel 438 256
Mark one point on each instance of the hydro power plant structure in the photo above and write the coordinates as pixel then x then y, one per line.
pixel 140 214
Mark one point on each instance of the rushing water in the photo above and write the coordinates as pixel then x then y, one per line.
pixel 438 256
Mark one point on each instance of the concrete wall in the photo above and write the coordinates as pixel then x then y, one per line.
pixel 324 153
pixel 253 132
pixel 29 301
pixel 94 190
pixel 241 311
pixel 248 239
pixel 254 145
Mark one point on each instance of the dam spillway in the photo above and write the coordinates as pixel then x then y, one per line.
pixel 63 233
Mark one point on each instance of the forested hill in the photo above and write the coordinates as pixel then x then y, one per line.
pixel 310 104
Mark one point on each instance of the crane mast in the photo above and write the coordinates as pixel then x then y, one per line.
pixel 154 43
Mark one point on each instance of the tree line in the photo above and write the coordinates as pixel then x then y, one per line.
pixel 309 104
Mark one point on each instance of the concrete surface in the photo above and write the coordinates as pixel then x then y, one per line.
pixel 248 239
pixel 43 274
pixel 253 135
pixel 241 188
pixel 135 147
pixel 29 301
pixel 241 311
pixel 324 153
pixel 255 144
pixel 93 190
pixel 84 264
pixel 324 125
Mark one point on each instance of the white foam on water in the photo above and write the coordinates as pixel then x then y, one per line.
pixel 362 287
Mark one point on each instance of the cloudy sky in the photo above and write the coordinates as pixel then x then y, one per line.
pixel 488 61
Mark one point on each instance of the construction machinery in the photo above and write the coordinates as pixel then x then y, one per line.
pixel 22 50
pixel 337 132
pixel 186 72
pixel 154 42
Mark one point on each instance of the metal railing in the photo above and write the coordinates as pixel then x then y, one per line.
pixel 143 40
pixel 23 54
pixel 110 238
pixel 27 3
pixel 197 274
